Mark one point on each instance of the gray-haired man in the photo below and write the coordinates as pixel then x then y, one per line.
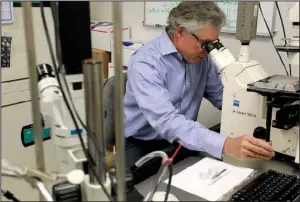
pixel 167 80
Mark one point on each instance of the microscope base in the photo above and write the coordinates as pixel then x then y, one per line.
pixel 94 192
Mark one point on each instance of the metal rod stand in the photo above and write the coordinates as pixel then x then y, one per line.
pixel 119 94
pixel 30 49
pixel 93 87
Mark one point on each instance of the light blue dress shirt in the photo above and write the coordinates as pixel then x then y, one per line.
pixel 163 97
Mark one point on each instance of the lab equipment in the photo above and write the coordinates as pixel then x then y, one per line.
pixel 58 113
pixel 103 34
pixel 56 110
pixel 255 103
pixel 270 186
pixel 236 75
pixel 292 46
pixel 65 191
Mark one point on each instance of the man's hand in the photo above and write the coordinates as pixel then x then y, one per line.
pixel 247 147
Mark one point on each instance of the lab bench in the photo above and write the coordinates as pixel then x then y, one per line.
pixel 259 165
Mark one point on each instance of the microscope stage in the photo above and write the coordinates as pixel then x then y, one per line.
pixel 280 85
pixel 291 49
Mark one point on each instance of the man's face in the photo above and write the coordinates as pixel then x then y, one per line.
pixel 191 45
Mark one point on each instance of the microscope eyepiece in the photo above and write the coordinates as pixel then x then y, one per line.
pixel 44 71
pixel 209 47
pixel 219 45
pixel 213 45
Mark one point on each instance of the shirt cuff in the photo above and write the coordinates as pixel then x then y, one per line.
pixel 216 144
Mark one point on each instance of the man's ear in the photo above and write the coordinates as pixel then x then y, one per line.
pixel 179 31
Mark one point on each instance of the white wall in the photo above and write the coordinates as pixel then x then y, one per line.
pixel 133 15
pixel 19 65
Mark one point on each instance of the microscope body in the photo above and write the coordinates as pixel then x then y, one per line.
pixel 241 110
pixel 247 107
pixel 255 103
pixel 56 115
pixel 245 113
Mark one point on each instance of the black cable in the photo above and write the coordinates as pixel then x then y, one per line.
pixel 157 183
pixel 66 102
pixel 273 40
pixel 169 182
pixel 284 34
pixel 61 68
pixel 7 194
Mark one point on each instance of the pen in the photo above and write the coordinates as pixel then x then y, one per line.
pixel 218 174
pixel 217 178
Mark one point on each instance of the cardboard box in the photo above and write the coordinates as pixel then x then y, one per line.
pixel 102 34
pixel 105 57
pixel 128 48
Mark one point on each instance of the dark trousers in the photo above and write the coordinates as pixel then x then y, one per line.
pixel 135 149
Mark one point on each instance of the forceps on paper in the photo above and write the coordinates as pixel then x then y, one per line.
pixel 218 176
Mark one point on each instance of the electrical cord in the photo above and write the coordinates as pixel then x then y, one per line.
pixel 169 182
pixel 167 164
pixel 272 39
pixel 156 183
pixel 284 34
pixel 171 172
pixel 43 190
pixel 67 103
pixel 7 194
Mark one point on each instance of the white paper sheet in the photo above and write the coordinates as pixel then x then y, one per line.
pixel 197 179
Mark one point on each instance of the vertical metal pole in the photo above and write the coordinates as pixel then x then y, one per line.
pixel 93 85
pixel 97 68
pixel 93 79
pixel 1 96
pixel 30 49
pixel 88 90
pixel 119 93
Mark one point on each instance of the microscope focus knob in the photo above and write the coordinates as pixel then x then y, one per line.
pixel 260 133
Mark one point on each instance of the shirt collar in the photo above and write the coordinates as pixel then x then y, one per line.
pixel 167 45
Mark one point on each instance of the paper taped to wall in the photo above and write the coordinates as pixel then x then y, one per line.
pixel 6 51
pixel 7 12
pixel 210 179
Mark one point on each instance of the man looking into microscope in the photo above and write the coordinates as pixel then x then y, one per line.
pixel 168 78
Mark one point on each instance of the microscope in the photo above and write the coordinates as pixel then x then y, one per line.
pixel 254 103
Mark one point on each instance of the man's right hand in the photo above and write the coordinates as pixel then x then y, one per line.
pixel 248 147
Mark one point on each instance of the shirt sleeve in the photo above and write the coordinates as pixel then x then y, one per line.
pixel 214 87
pixel 153 100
